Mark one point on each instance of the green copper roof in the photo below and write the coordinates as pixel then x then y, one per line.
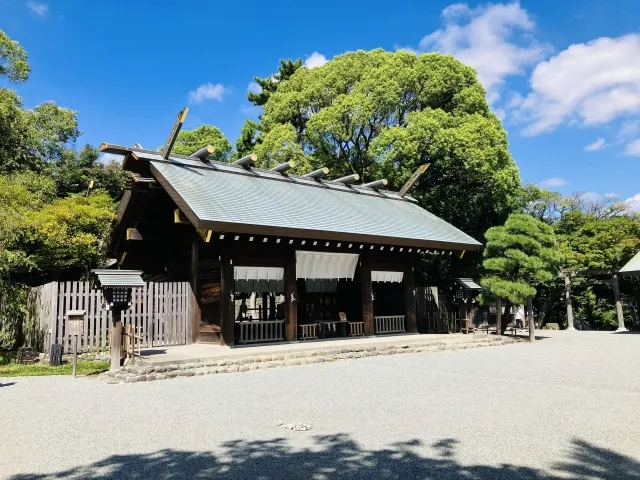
pixel 633 267
pixel 233 199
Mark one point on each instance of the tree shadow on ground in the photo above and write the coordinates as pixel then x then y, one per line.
pixel 339 457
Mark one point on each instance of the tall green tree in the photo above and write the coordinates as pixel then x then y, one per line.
pixel 189 141
pixel 75 170
pixel 29 139
pixel 382 114
pixel 520 255
pixel 250 135
pixel 13 60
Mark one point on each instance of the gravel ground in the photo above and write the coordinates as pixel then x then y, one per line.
pixel 564 407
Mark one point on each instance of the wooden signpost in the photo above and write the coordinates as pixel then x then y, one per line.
pixel 75 323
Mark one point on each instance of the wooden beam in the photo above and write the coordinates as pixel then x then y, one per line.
pixel 366 294
pixel 283 167
pixel 246 161
pixel 383 182
pixel 414 177
pixel 179 217
pixel 319 173
pixel 408 281
pixel 133 234
pixel 226 296
pixel 205 234
pixel 195 297
pixel 348 179
pixel 204 152
pixel 116 339
pixel 290 297
pixel 182 115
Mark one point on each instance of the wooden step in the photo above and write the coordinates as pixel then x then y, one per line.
pixel 209 333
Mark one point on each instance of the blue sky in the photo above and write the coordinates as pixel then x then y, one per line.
pixel 563 75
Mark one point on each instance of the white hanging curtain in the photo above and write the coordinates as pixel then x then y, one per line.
pixel 391 277
pixel 258 273
pixel 325 265
pixel 258 279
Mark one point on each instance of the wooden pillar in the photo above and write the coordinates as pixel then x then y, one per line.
pixel 290 297
pixel 194 332
pixel 498 316
pixel 567 300
pixel 265 306
pixel 366 294
pixel 226 296
pixel 116 339
pixel 408 281
pixel 616 293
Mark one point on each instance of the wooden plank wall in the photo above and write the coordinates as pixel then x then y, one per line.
pixel 432 311
pixel 161 313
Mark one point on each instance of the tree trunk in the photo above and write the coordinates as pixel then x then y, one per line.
pixel 567 300
pixel 507 319
pixel 498 316
pixel 532 326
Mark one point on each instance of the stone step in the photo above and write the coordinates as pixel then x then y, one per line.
pixel 248 362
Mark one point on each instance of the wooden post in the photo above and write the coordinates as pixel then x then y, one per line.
pixel 366 293
pixel 567 300
pixel 194 336
pixel 116 339
pixel 291 297
pixel 532 325
pixel 616 293
pixel 226 296
pixel 498 316
pixel 411 323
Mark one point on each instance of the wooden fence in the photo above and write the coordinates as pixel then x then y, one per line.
pixel 433 311
pixel 161 313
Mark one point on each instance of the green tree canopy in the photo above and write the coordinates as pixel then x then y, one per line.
pixel 13 60
pixel 382 114
pixel 31 139
pixel 75 170
pixel 519 255
pixel 189 141
pixel 39 231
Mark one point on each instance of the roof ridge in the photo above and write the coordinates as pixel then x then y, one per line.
pixel 176 157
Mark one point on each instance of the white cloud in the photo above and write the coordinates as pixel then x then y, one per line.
pixel 208 91
pixel 634 202
pixel 39 9
pixel 595 146
pixel 588 83
pixel 315 60
pixel 254 87
pixel 632 148
pixel 553 182
pixel 494 39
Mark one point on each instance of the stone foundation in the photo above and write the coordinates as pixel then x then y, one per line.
pixel 132 374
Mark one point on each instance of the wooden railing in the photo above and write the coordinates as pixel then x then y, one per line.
pixel 261 331
pixel 308 332
pixel 356 329
pixel 390 324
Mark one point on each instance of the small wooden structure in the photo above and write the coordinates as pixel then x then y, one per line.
pixel 271 256
pixel 116 287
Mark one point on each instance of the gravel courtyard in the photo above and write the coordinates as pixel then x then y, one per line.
pixel 565 407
